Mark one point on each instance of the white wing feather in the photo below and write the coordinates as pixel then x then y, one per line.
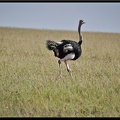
pixel 67 47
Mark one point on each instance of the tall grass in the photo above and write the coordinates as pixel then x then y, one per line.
pixel 28 75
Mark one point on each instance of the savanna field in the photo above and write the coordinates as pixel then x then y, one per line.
pixel 29 84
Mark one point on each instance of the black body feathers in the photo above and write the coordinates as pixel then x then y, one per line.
pixel 60 51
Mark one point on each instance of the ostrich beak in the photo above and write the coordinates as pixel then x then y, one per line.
pixel 83 22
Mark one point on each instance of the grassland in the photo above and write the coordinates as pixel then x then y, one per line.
pixel 28 75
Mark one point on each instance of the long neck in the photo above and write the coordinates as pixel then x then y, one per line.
pixel 80 34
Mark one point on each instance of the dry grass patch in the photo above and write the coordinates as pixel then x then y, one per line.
pixel 28 72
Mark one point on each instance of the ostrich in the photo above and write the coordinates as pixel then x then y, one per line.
pixel 66 49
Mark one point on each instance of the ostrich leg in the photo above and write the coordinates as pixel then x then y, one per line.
pixel 68 68
pixel 59 62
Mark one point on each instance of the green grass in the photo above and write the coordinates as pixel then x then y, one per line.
pixel 28 75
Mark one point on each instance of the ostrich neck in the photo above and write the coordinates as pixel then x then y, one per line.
pixel 80 34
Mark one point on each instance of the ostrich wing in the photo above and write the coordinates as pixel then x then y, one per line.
pixel 67 47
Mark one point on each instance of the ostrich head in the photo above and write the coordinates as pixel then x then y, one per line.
pixel 81 22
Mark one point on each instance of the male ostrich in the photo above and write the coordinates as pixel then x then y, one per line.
pixel 66 49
